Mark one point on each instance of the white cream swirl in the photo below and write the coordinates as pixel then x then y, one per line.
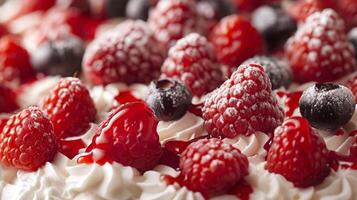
pixel 187 128
pixel 34 93
pixel 45 183
pixel 110 181
pixel 251 146
pixel 153 188
pixel 338 185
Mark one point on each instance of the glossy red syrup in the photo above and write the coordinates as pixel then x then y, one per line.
pixel 268 144
pixel 291 102
pixel 172 151
pixel 126 97
pixel 242 190
pixel 196 109
pixel 128 136
pixel 71 147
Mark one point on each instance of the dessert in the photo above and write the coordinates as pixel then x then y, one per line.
pixel 206 99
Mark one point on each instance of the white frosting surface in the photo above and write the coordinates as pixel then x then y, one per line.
pixel 34 93
pixel 187 128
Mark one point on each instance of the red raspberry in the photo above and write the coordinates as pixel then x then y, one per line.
pixel 320 51
pixel 243 104
pixel 298 153
pixel 172 20
pixel 127 137
pixel 3 120
pixel 348 10
pixel 27 140
pixel 212 167
pixel 235 40
pixel 69 107
pixel 129 54
pixel 7 100
pixel 304 8
pixel 192 61
pixel 15 66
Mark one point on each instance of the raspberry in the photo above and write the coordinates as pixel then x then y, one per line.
pixel 304 8
pixel 27 140
pixel 235 40
pixel 192 61
pixel 172 20
pixel 212 167
pixel 15 66
pixel 128 54
pixel 320 51
pixel 243 104
pixel 298 153
pixel 7 100
pixel 69 107
pixel 128 138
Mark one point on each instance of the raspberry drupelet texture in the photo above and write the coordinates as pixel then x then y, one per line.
pixel 172 20
pixel 127 136
pixel 128 54
pixel 352 85
pixel 320 51
pixel 69 107
pixel 212 167
pixel 298 153
pixel 235 40
pixel 27 140
pixel 243 105
pixel 192 61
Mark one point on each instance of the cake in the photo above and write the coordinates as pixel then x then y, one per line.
pixel 192 100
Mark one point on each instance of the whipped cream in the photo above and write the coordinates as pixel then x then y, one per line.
pixel 251 146
pixel 187 128
pixel 34 93
pixel 153 188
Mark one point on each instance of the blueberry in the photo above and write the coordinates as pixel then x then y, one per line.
pixel 352 36
pixel 62 56
pixel 221 7
pixel 327 106
pixel 138 9
pixel 278 73
pixel 116 8
pixel 274 24
pixel 169 99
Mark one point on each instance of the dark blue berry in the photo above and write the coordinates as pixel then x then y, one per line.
pixel 61 56
pixel 327 106
pixel 279 73
pixel 352 36
pixel 169 99
pixel 274 24
pixel 222 8
pixel 116 8
pixel 138 9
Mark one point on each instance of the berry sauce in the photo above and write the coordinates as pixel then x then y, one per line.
pixel 126 97
pixel 71 147
pixel 172 151
pixel 291 101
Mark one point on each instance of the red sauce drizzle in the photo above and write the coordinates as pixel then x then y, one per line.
pixel 126 97
pixel 242 190
pixel 291 102
pixel 196 109
pixel 71 147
